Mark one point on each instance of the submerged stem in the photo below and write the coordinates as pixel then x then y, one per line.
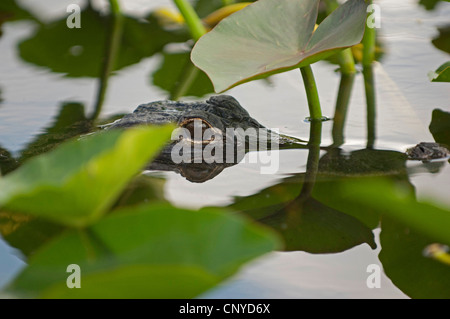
pixel 369 85
pixel 315 111
pixel 342 102
pixel 112 48
pixel 312 165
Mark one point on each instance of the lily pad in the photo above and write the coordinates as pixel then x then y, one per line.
pixel 156 251
pixel 78 182
pixel 273 36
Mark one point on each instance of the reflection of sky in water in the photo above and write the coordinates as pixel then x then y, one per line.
pixel 32 97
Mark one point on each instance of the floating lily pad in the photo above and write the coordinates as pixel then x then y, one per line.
pixel 273 36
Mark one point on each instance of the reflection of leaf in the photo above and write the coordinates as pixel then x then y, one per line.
pixel 313 227
pixel 268 37
pixel 167 247
pixel 70 122
pixel 76 183
pixel 442 42
pixel 175 72
pixel 27 233
pixel 442 74
pixel 79 52
pixel 404 263
pixel 440 126
pixel 325 192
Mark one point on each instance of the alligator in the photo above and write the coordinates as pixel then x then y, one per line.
pixel 218 114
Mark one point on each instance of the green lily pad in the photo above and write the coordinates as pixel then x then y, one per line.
pixel 177 253
pixel 78 182
pixel 273 36
pixel 442 74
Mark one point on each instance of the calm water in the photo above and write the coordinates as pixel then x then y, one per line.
pixel 31 97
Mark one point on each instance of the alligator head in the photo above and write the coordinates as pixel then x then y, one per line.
pixel 219 121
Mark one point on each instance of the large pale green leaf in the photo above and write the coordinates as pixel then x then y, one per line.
pixel 76 183
pixel 177 253
pixel 273 36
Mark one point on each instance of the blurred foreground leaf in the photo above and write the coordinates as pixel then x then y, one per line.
pixel 79 181
pixel 146 252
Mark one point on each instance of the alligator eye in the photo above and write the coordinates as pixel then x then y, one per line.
pixel 197 128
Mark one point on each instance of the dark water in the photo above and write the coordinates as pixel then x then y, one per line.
pixel 32 96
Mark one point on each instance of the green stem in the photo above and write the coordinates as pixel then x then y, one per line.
pixel 369 42
pixel 342 102
pixel 112 48
pixel 347 62
pixel 369 85
pixel 345 57
pixel 193 22
pixel 185 81
pixel 312 164
pixel 315 111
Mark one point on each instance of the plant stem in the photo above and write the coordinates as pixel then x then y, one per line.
pixel 185 81
pixel 347 62
pixel 369 42
pixel 369 85
pixel 312 165
pixel 345 57
pixel 112 48
pixel 193 22
pixel 315 111
pixel 342 102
